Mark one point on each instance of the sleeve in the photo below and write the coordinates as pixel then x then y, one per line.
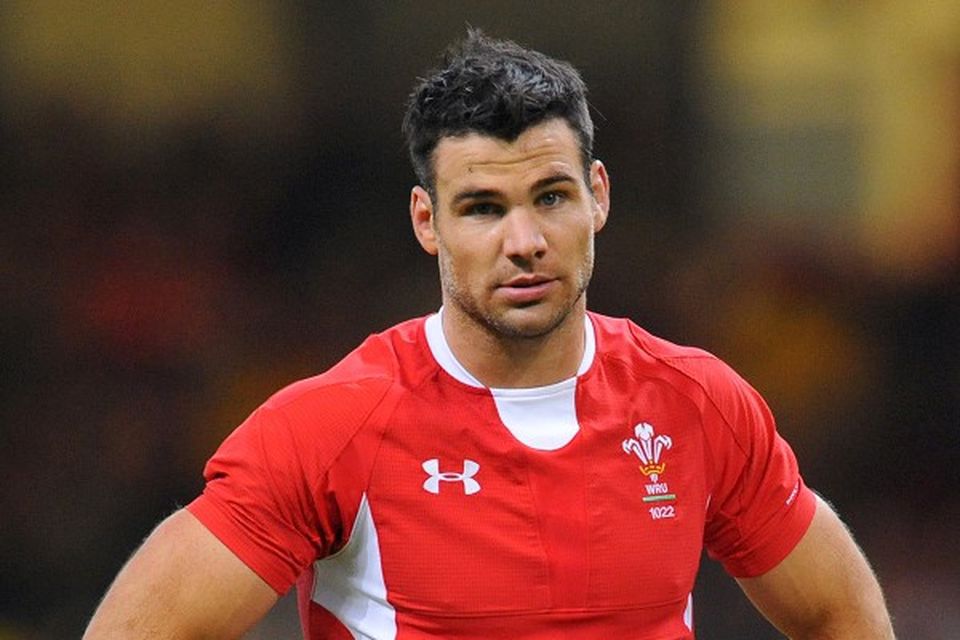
pixel 759 505
pixel 284 488
pixel 258 502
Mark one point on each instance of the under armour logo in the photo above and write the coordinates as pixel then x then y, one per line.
pixel 432 484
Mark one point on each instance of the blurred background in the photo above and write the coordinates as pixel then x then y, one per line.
pixel 204 201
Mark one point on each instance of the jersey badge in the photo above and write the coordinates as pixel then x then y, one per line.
pixel 435 476
pixel 648 447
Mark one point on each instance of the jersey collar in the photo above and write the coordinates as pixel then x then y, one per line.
pixel 440 349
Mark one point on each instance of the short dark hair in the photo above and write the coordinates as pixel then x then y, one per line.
pixel 495 88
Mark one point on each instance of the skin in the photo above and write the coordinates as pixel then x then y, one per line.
pixel 182 583
pixel 824 589
pixel 513 230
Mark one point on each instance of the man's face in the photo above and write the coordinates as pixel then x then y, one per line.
pixel 513 227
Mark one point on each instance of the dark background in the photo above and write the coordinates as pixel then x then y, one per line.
pixel 202 202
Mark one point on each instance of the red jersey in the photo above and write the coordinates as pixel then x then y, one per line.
pixel 408 501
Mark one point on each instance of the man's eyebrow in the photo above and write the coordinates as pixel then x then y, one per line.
pixel 479 194
pixel 543 183
pixel 484 194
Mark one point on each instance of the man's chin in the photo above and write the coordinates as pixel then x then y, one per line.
pixel 528 323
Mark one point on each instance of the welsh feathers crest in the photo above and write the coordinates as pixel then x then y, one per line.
pixel 648 447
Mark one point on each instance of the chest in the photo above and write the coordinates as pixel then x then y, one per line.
pixel 470 519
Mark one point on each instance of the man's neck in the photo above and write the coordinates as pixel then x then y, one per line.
pixel 506 362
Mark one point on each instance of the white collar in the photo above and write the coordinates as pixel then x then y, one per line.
pixel 440 349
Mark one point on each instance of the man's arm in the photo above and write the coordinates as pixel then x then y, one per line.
pixel 824 588
pixel 182 583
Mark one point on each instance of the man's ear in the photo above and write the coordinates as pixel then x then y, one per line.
pixel 421 216
pixel 600 186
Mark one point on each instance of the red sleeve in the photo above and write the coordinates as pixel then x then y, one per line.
pixel 759 506
pixel 257 503
pixel 275 494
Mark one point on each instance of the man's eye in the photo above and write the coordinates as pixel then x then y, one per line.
pixel 551 198
pixel 482 209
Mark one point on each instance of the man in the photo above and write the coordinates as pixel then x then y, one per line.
pixel 513 466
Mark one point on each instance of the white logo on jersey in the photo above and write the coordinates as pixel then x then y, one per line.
pixel 648 449
pixel 432 484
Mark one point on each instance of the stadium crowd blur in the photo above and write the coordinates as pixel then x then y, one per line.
pixel 204 201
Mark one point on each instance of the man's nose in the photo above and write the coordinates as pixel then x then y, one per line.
pixel 522 235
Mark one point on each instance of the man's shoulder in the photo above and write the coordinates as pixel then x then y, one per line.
pixel 622 336
pixel 365 374
pixel 622 339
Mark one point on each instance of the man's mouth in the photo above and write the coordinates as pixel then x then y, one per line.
pixel 526 288
pixel 525 281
